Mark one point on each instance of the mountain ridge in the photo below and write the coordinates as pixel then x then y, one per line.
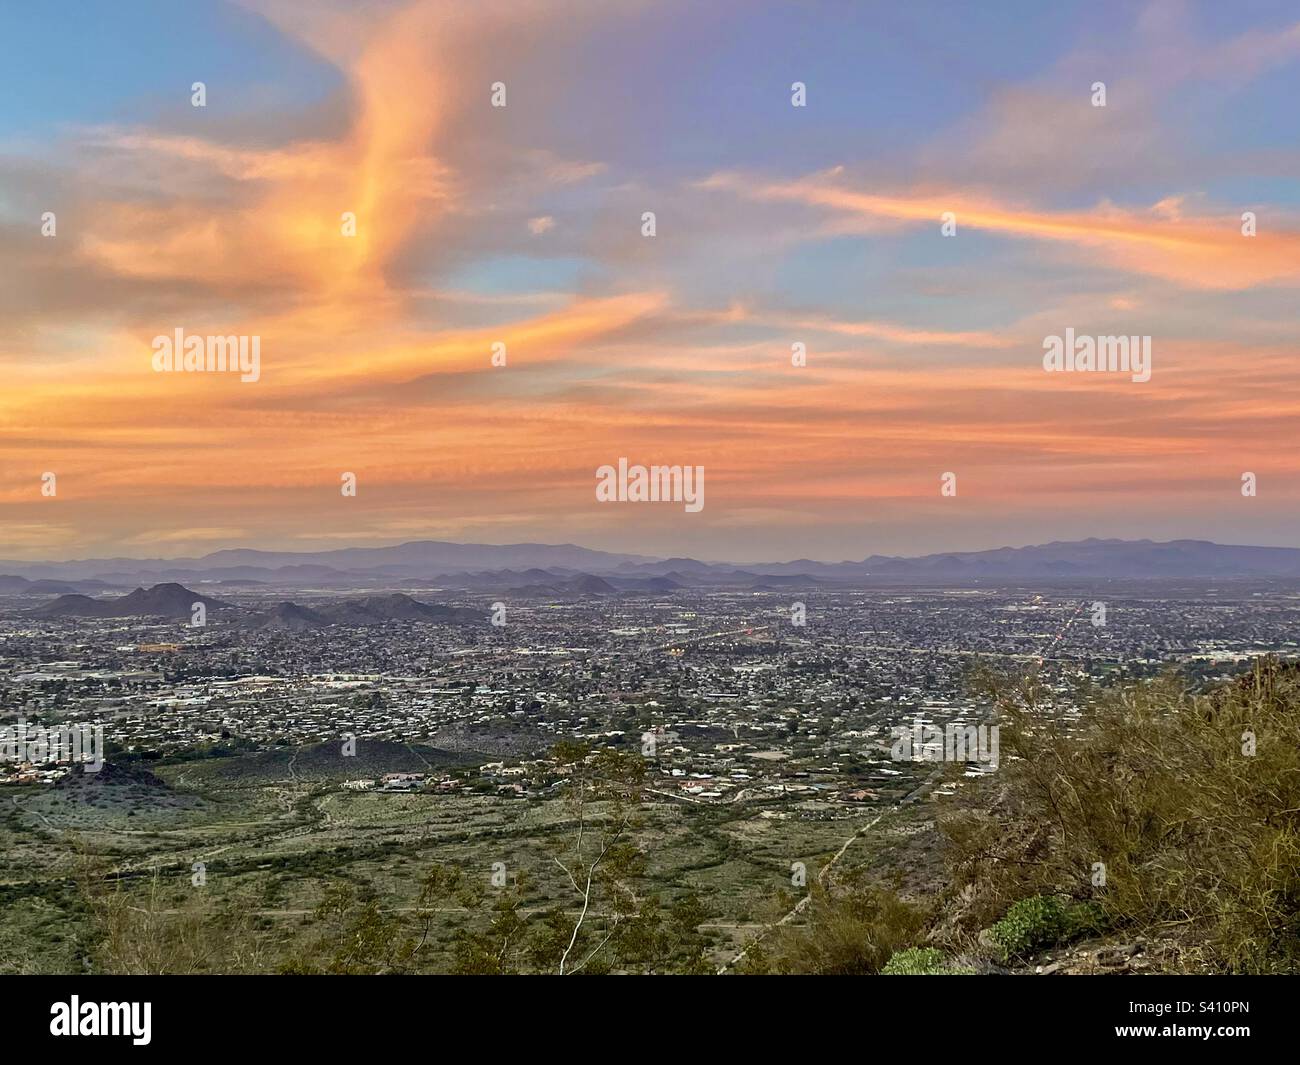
pixel 433 559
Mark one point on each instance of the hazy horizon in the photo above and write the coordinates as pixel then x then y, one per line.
pixel 299 549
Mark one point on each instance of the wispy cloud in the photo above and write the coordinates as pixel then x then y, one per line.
pixel 1201 252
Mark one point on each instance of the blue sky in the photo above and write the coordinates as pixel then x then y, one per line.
pixel 775 225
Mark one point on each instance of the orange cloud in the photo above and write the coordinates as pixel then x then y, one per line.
pixel 1199 252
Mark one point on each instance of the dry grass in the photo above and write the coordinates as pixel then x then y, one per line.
pixel 1156 784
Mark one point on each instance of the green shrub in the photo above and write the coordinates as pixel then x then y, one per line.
pixel 1031 924
pixel 1045 921
pixel 1084 918
pixel 915 961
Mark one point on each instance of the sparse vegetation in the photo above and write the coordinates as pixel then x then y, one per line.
pixel 1142 810
pixel 1162 808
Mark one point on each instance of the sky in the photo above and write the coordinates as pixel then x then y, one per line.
pixel 523 225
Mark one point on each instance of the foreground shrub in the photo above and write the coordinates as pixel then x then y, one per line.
pixel 1170 809
pixel 1030 925
pixel 853 929
pixel 915 961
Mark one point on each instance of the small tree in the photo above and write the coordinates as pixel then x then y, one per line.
pixel 599 861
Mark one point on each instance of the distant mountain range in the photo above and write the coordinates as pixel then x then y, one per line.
pixel 1078 558
pixel 421 558
pixel 567 570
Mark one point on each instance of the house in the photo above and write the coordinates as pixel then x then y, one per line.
pixel 859 795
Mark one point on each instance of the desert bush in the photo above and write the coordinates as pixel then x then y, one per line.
pixel 852 928
pixel 1168 809
pixel 915 961
pixel 149 930
pixel 1030 924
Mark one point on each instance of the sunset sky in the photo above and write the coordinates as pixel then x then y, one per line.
pixel 775 225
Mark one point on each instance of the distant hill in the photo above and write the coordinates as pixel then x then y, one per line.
pixel 325 761
pixel 124 788
pixel 654 585
pixel 162 600
pixel 109 775
pixel 567 588
pixel 398 607
pixel 10 584
pixel 376 609
pixel 366 610
pixel 289 617
pixel 47 587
